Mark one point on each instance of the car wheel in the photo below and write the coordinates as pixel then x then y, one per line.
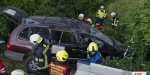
pixel 31 65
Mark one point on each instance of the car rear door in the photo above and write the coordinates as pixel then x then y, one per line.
pixel 21 43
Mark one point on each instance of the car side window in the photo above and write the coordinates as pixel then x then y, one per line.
pixel 24 33
pixel 42 31
pixel 68 37
pixel 87 40
pixel 28 31
pixel 63 37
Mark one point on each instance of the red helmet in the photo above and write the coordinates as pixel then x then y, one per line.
pixel 2 70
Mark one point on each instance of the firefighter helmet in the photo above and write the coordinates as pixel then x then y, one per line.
pixel 62 55
pixel 102 7
pixel 18 72
pixel 35 38
pixel 81 16
pixel 92 47
pixel 113 14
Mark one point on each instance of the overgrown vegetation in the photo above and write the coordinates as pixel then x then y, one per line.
pixel 133 29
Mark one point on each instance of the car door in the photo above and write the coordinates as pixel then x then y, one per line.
pixel 68 40
pixel 22 44
pixel 86 39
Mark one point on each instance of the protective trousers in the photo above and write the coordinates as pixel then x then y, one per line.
pixel 43 59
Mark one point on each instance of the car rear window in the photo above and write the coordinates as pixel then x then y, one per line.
pixel 28 31
pixel 100 35
pixel 24 33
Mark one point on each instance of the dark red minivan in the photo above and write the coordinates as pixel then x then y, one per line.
pixel 63 33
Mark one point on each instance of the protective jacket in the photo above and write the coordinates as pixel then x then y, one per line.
pixel 115 20
pixel 96 58
pixel 42 55
pixel 58 68
pixel 2 70
pixel 101 14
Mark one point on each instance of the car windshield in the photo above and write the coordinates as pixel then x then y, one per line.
pixel 97 33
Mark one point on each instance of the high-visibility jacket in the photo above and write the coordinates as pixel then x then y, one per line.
pixel 42 55
pixel 2 70
pixel 101 13
pixel 60 69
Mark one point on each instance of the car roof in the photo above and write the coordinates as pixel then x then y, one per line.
pixel 62 23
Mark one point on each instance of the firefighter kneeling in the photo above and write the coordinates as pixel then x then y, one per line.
pixel 58 67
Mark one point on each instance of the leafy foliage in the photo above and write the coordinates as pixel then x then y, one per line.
pixel 135 35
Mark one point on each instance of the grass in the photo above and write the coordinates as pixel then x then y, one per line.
pixel 123 8
pixel 11 65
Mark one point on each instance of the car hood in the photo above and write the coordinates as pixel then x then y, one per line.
pixel 119 46
pixel 13 12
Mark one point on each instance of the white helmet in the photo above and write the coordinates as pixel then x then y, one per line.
pixel 35 39
pixel 89 20
pixel 113 14
pixel 81 15
pixel 18 72
pixel 102 7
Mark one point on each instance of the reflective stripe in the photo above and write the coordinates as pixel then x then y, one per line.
pixel 115 22
pixel 2 70
pixel 39 60
pixel 44 45
pixel 58 70
pixel 45 57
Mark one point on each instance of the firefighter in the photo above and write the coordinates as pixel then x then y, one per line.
pixel 18 72
pixel 2 70
pixel 88 20
pixel 114 20
pixel 94 56
pixel 41 53
pixel 81 17
pixel 58 67
pixel 101 14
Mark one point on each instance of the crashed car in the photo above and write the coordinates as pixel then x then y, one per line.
pixel 64 33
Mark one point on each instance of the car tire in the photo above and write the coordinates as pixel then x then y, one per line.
pixel 31 65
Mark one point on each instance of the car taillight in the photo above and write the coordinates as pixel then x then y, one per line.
pixel 9 46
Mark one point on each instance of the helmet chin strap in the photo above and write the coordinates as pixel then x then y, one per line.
pixel 37 42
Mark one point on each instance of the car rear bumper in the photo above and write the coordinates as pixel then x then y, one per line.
pixel 13 55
